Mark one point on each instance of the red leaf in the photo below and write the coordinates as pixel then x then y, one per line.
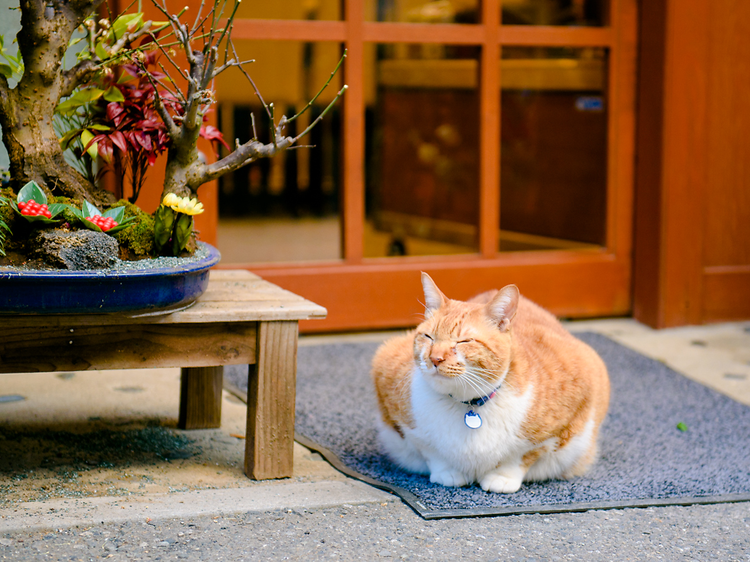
pixel 144 140
pixel 105 149
pixel 211 133
pixel 119 140
pixel 115 113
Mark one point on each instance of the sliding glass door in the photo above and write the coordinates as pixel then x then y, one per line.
pixel 485 142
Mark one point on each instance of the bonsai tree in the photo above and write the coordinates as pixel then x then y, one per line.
pixel 90 98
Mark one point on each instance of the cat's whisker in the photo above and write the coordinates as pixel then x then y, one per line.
pixel 469 381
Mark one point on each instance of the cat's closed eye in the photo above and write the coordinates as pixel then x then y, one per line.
pixel 470 340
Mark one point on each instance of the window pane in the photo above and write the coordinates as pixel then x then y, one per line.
pixel 554 12
pixel 422 157
pixel 291 10
pixel 284 208
pixel 553 148
pixel 421 11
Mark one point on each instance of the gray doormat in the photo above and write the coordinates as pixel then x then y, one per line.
pixel 645 459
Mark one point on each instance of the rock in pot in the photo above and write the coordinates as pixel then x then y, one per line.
pixel 76 250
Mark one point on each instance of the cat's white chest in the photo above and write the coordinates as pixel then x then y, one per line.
pixel 490 434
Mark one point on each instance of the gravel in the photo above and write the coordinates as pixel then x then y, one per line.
pixel 120 266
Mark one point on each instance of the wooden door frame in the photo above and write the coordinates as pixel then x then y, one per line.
pixel 362 293
pixel 675 280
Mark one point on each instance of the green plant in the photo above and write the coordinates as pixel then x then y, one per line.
pixel 13 67
pixel 31 197
pixel 119 105
pixel 31 204
pixel 4 228
pixel 173 222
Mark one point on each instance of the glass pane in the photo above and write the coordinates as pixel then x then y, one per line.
pixel 424 11
pixel 422 154
pixel 553 148
pixel 554 12
pixel 284 208
pixel 291 10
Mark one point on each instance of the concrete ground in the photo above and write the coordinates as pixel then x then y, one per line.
pixel 90 468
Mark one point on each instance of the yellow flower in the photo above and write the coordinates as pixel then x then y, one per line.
pixel 170 200
pixel 183 205
pixel 190 207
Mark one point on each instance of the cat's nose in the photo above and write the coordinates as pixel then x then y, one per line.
pixel 436 360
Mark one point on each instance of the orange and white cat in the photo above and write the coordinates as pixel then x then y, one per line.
pixel 493 390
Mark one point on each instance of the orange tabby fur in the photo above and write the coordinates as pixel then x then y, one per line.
pixel 543 420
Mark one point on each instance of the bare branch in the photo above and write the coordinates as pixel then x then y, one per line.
pixel 172 129
pixel 208 70
pixel 198 17
pixel 75 76
pixel 128 38
pixel 320 117
pixel 252 83
pixel 229 25
pixel 176 93
pixel 164 51
pixel 230 64
pixel 179 29
pixel 4 95
pixel 312 101
pixel 249 152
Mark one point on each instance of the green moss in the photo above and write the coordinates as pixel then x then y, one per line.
pixel 7 214
pixel 5 219
pixel 136 241
pixel 67 215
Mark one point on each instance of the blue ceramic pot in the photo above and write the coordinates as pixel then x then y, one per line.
pixel 135 290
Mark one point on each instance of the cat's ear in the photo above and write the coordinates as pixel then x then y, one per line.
pixel 433 298
pixel 503 307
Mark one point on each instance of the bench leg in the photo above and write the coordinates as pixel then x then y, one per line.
pixel 269 447
pixel 200 397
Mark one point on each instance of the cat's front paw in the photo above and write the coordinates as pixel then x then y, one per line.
pixel 501 483
pixel 448 477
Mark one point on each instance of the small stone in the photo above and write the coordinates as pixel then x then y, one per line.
pixel 109 547
pixel 5 542
pixel 76 250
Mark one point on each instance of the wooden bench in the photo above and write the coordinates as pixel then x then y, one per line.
pixel 240 319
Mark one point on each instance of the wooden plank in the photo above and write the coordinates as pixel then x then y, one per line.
pixel 81 348
pixel 200 397
pixel 353 202
pixel 551 36
pixel 402 32
pixel 259 30
pixel 386 294
pixel 231 275
pixel 270 403
pixel 726 294
pixel 489 131
pixel 647 294
pixel 232 296
pixel 672 156
pixel 448 33
pixel 726 212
